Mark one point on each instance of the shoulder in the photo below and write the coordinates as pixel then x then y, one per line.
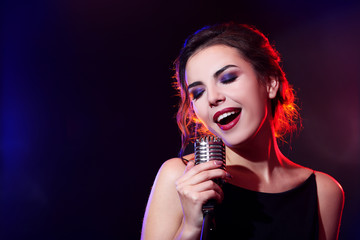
pixel 163 215
pixel 331 204
pixel 173 168
pixel 327 186
pixel 169 172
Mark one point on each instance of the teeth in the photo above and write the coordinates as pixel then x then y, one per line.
pixel 222 116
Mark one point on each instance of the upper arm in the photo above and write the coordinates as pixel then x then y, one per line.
pixel 331 203
pixel 163 216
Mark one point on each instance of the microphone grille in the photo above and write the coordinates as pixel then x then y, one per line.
pixel 209 148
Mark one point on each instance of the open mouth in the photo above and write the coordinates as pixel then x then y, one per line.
pixel 227 118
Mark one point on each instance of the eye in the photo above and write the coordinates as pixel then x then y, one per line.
pixel 228 78
pixel 196 93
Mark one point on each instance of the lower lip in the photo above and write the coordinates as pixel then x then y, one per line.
pixel 230 125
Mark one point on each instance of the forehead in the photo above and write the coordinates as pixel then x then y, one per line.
pixel 205 62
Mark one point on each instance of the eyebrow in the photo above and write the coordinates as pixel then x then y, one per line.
pixel 194 84
pixel 216 74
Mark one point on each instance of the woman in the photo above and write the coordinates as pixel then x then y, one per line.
pixel 232 86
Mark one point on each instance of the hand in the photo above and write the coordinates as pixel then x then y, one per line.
pixel 195 187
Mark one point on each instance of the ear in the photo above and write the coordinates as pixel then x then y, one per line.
pixel 272 87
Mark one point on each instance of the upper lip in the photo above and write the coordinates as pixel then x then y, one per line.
pixel 225 110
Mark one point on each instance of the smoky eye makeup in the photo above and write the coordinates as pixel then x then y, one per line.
pixel 228 78
pixel 196 93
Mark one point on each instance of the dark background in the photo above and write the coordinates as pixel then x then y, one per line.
pixel 87 107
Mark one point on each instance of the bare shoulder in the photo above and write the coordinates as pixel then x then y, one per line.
pixel 331 204
pixel 173 168
pixel 327 186
pixel 163 215
pixel 169 172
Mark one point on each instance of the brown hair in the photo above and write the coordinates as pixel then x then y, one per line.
pixel 256 49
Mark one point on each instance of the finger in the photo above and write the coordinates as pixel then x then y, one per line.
pixel 200 197
pixel 203 176
pixel 205 186
pixel 193 170
pixel 195 192
pixel 211 194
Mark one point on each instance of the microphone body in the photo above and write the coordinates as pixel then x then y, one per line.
pixel 209 148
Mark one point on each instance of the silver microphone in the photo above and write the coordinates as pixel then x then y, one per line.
pixel 209 148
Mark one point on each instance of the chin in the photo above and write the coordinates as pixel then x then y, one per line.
pixel 236 138
pixel 231 140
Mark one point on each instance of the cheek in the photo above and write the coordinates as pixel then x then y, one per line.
pixel 262 111
pixel 261 108
pixel 199 106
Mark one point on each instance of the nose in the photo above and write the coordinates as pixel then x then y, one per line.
pixel 215 97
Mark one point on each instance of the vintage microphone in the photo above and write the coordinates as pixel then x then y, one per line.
pixel 209 148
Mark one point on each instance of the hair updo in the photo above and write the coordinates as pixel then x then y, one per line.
pixel 255 48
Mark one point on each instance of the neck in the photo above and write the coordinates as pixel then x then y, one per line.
pixel 259 155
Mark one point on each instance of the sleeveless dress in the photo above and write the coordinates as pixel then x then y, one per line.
pixel 290 215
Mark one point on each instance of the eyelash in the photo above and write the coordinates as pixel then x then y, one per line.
pixel 196 94
pixel 227 80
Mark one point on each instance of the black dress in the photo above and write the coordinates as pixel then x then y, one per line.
pixel 246 214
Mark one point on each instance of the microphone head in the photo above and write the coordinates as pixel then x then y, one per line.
pixel 209 148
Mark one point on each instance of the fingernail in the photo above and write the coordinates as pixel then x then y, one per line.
pixel 218 163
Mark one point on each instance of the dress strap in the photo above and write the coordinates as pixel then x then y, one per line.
pixel 184 160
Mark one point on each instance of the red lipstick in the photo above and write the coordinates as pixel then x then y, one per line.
pixel 227 118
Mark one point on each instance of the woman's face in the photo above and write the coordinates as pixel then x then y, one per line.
pixel 226 93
